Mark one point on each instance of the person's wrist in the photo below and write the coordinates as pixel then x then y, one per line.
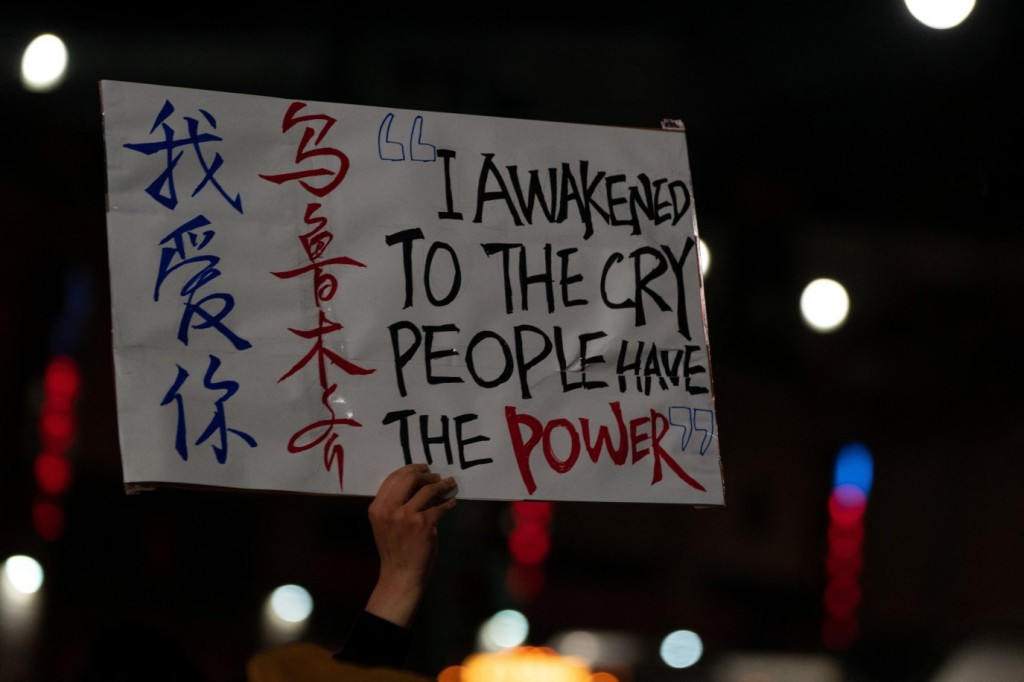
pixel 396 597
pixel 404 584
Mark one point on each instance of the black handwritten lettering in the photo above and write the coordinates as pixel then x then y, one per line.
pixel 689 370
pixel 529 347
pixel 449 213
pixel 462 441
pixel 456 283
pixel 506 352
pixel 489 170
pixel 405 238
pixel 535 195
pixel 567 279
pixel 578 191
pixel 545 276
pixel 430 354
pixel 652 367
pixel 564 367
pixel 643 278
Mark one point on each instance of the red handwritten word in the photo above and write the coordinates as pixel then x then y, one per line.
pixel 304 153
pixel 320 433
pixel 630 442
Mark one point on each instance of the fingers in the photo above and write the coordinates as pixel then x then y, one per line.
pixel 401 483
pixel 436 513
pixel 415 485
pixel 432 494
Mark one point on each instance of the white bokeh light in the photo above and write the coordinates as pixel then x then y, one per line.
pixel 581 644
pixel 44 63
pixel 600 648
pixel 705 257
pixel 940 14
pixel 23 573
pixel 291 603
pixel 681 649
pixel 503 630
pixel 824 305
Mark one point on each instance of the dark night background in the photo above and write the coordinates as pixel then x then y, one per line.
pixel 826 139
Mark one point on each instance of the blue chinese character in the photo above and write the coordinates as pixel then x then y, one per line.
pixel 218 423
pixel 180 443
pixel 163 189
pixel 174 256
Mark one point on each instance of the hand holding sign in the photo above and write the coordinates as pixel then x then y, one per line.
pixel 404 516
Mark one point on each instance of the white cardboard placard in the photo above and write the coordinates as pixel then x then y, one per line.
pixel 307 295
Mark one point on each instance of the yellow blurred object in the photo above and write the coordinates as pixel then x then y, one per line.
pixel 524 664
pixel 304 662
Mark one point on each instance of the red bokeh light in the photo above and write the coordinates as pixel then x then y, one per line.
pixel 48 520
pixel 843 563
pixel 845 541
pixel 846 505
pixel 532 512
pixel 58 427
pixel 53 473
pixel 57 430
pixel 62 379
pixel 529 544
pixel 842 598
pixel 842 567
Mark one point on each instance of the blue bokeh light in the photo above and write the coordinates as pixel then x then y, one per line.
pixel 854 466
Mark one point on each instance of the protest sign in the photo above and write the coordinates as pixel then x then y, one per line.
pixel 307 295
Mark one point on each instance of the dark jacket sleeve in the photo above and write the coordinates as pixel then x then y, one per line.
pixel 374 641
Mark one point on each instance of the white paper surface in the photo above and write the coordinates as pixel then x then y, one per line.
pixel 398 330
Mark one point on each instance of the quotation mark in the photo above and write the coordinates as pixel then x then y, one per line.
pixel 392 150
pixel 692 420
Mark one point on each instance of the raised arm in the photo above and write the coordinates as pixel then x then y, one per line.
pixel 404 516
